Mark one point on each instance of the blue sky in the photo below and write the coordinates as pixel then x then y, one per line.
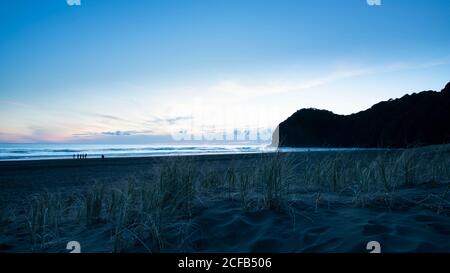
pixel 141 70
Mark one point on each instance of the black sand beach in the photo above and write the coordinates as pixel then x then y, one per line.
pixel 305 202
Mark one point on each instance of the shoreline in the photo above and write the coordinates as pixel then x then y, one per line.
pixel 292 150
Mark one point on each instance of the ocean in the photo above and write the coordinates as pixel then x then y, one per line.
pixel 56 151
pixel 67 151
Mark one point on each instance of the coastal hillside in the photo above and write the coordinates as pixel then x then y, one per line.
pixel 413 120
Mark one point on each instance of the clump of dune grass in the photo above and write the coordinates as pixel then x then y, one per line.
pixel 407 165
pixel 210 181
pixel 434 163
pixel 4 214
pixel 275 176
pixel 384 173
pixel 138 212
pixel 94 202
pixel 146 213
pixel 231 178
pixel 244 188
pixel 43 218
pixel 176 186
pixel 368 174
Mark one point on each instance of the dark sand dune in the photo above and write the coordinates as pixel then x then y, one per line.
pixel 325 209
pixel 338 228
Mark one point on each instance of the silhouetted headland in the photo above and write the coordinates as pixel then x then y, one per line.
pixel 413 120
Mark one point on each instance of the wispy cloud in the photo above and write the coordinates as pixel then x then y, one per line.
pixel 127 133
pixel 115 133
pixel 233 89
pixel 119 121
pixel 269 87
pixel 33 134
pixel 15 103
pixel 280 86
pixel 109 117
pixel 170 120
pixel 401 66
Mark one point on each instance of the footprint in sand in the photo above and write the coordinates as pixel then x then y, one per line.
pixel 5 247
pixel 266 245
pixel 375 229
pixel 425 218
pixel 330 244
pixel 427 247
pixel 313 234
pixel 440 228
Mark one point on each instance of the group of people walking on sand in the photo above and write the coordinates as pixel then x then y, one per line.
pixel 79 156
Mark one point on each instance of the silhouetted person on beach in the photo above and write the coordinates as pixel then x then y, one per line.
pixel 85 155
pixel 73 156
pixel 103 156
